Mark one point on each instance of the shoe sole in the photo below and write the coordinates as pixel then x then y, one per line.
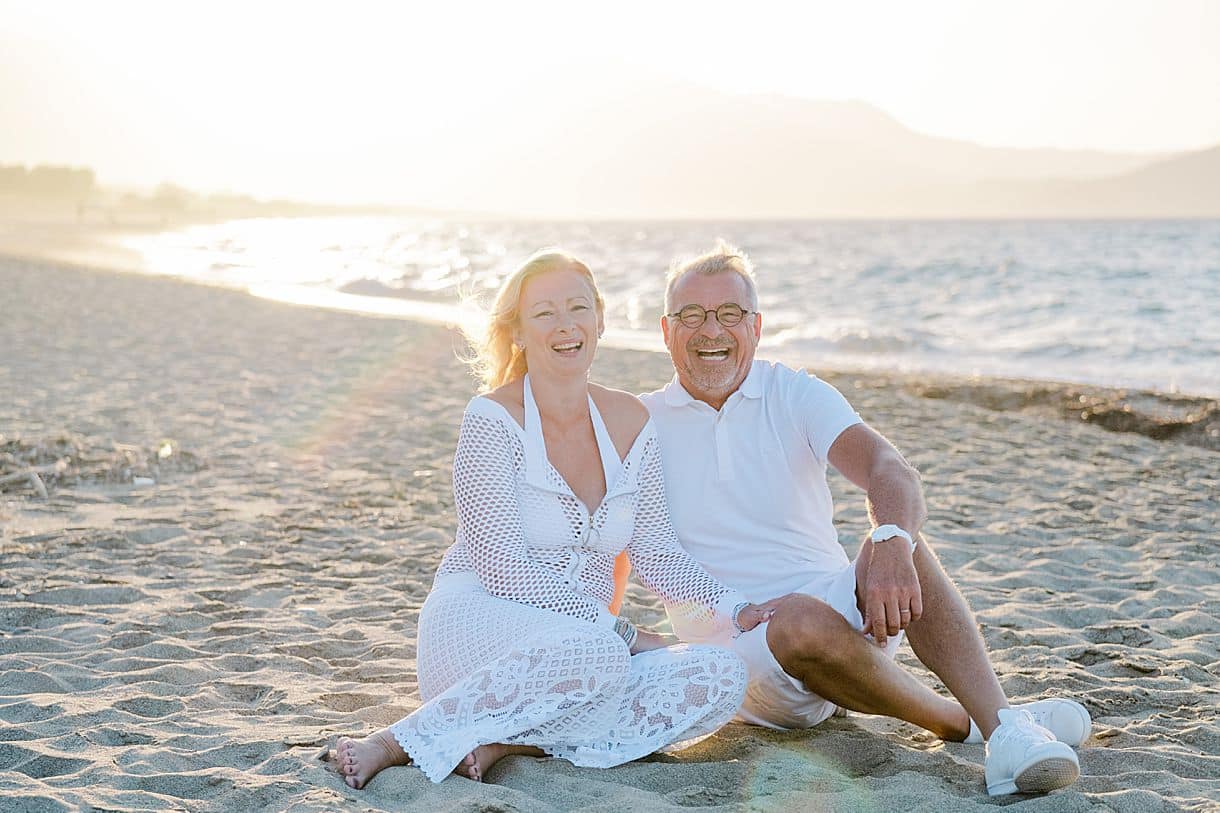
pixel 1041 774
pixel 1047 775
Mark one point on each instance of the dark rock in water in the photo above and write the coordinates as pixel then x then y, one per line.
pixel 369 287
pixel 1184 419
pixel 1199 427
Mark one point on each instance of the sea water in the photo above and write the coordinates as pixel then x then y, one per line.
pixel 1119 303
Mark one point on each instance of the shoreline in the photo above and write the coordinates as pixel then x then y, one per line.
pixel 96 245
pixel 227 568
pixel 1172 416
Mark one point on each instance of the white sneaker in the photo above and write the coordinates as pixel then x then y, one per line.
pixel 1023 757
pixel 1067 720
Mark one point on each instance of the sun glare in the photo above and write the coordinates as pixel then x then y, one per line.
pixel 409 102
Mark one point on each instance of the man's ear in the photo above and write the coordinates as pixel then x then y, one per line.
pixel 665 329
pixel 757 326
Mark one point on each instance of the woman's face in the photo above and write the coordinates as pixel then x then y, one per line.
pixel 558 324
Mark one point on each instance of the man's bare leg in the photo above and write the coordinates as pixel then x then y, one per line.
pixel 813 643
pixel 946 639
pixel 816 645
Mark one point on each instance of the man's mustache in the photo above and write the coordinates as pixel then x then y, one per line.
pixel 723 340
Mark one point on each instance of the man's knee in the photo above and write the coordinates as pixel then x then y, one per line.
pixel 805 629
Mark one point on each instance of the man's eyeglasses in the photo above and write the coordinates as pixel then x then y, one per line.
pixel 729 314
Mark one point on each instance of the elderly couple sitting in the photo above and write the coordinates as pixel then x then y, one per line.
pixel 714 489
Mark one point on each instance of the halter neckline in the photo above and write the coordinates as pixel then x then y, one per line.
pixel 612 465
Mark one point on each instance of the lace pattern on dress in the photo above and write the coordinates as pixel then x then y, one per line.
pixel 517 674
pixel 515 641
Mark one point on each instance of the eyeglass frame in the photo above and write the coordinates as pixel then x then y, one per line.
pixel 716 311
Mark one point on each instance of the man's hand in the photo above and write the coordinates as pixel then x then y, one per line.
pixel 647 641
pixel 892 598
pixel 752 615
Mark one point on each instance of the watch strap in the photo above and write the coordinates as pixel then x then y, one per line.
pixel 883 533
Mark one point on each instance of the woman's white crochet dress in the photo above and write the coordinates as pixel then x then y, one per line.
pixel 515 642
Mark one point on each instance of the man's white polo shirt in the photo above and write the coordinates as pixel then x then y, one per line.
pixel 747 484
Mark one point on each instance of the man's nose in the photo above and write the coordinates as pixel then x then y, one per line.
pixel 711 327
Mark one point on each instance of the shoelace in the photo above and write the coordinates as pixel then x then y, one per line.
pixel 1021 726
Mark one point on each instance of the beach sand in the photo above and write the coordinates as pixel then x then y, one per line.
pixel 246 501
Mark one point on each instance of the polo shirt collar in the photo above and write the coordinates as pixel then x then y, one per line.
pixel 752 387
pixel 677 396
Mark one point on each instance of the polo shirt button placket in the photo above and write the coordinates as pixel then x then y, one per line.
pixel 724 454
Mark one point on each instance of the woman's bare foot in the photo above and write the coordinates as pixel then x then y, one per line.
pixel 478 762
pixel 360 760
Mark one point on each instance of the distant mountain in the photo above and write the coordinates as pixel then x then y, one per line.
pixel 665 149
pixel 611 142
pixel 1184 186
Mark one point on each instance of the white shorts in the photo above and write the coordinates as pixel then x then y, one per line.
pixel 774 698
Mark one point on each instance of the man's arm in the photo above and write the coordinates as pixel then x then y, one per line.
pixel 892 597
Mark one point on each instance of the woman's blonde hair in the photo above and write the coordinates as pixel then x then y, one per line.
pixel 496 359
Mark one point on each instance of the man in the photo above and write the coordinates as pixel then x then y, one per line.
pixel 745 448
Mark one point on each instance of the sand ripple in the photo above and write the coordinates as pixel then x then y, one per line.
pixel 190 644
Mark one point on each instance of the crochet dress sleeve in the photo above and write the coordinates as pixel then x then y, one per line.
pixel 660 561
pixel 490 525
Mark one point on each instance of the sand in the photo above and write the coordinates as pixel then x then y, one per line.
pixel 246 501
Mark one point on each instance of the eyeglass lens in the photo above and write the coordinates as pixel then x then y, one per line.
pixel 728 314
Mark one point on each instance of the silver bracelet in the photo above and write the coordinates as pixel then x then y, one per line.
pixel 741 605
pixel 625 630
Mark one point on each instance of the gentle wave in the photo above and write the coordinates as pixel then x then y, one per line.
pixel 1127 304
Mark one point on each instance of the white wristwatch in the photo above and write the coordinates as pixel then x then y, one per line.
pixel 885 532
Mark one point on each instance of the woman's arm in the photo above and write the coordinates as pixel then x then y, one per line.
pixel 665 567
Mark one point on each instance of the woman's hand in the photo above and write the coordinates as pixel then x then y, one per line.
pixel 647 641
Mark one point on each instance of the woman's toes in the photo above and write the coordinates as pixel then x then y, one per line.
pixel 361 760
pixel 468 767
pixel 476 770
pixel 347 761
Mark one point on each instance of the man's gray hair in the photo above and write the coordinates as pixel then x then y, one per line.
pixel 724 257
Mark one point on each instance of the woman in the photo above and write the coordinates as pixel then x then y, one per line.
pixel 552 478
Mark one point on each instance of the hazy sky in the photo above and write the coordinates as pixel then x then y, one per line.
pixel 244 95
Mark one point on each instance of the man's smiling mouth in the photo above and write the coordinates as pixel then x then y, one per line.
pixel 712 353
